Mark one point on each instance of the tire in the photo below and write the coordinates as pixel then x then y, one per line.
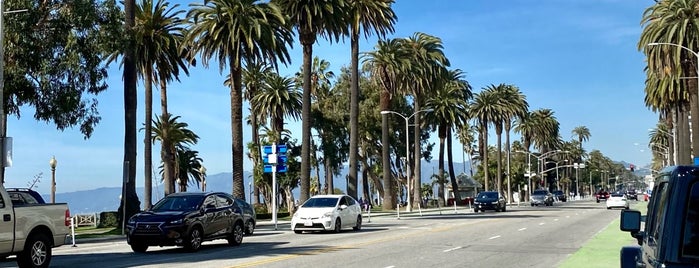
pixel 193 239
pixel 36 253
pixel 597 200
pixel 359 223
pixel 609 208
pixel 249 227
pixel 338 225
pixel 138 247
pixel 235 238
pixel 298 231
pixel 504 208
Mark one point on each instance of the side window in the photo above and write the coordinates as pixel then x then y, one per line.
pixel 2 202
pixel 343 201
pixel 350 201
pixel 690 244
pixel 658 205
pixel 223 201
pixel 210 201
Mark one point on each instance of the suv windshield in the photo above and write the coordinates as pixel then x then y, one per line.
pixel 540 192
pixel 178 203
pixel 488 195
pixel 320 202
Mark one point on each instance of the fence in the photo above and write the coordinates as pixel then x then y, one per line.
pixel 85 220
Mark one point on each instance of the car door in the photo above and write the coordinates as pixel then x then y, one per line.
pixel 209 219
pixel 7 226
pixel 344 213
pixel 226 207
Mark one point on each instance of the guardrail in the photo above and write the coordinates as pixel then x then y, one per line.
pixel 85 220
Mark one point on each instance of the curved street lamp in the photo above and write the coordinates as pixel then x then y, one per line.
pixel 202 171
pixel 52 164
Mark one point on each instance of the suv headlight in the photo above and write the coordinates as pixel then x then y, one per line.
pixel 180 221
pixel 494 203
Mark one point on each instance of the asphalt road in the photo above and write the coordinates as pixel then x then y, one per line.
pixel 521 237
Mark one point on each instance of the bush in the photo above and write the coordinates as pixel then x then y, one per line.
pixel 108 219
pixel 268 216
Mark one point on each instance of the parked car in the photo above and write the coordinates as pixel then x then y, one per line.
pixel 617 200
pixel 31 231
pixel 601 195
pixel 560 196
pixel 24 196
pixel 541 197
pixel 249 215
pixel 327 212
pixel 631 194
pixel 490 201
pixel 670 234
pixel 187 219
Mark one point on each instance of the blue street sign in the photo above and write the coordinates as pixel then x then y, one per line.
pixel 281 160
pixel 267 149
pixel 281 169
pixel 265 158
pixel 281 148
pixel 268 169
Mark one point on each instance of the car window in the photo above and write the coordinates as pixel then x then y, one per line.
pixel 223 201
pixel 209 201
pixel 343 201
pixel 690 245
pixel 179 203
pixel 320 202
pixel 540 192
pixel 617 195
pixel 488 195
pixel 660 198
pixel 350 201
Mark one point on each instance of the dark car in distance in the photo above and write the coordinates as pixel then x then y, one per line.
pixel 541 197
pixel 632 194
pixel 560 196
pixel 186 219
pixel 602 195
pixel 490 201
pixel 249 215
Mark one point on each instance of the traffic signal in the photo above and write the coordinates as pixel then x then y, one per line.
pixel 631 167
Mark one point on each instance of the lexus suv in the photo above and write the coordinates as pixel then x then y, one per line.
pixel 490 201
pixel 187 219
pixel 541 197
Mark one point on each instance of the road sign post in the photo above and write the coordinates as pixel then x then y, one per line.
pixel 274 158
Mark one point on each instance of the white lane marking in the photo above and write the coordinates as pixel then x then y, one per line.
pixel 522 229
pixel 567 216
pixel 494 237
pixel 541 223
pixel 451 249
pixel 555 219
pixel 392 266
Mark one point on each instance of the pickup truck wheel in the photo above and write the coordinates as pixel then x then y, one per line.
pixel 139 247
pixel 236 237
pixel 36 253
pixel 193 240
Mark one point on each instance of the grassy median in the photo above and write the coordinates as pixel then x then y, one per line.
pixel 602 250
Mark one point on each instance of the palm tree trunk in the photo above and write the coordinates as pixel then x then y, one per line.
pixel 389 201
pixel 450 160
pixel 365 184
pixel 148 141
pixel 683 147
pixel 131 204
pixel 441 165
pixel 484 156
pixel 237 128
pixel 498 132
pixel 508 126
pixel 256 159
pixel 329 175
pixel 417 151
pixel 669 122
pixel 305 182
pixel 354 115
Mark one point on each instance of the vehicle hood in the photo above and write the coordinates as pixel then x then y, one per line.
pixel 313 212
pixel 486 200
pixel 160 216
pixel 538 197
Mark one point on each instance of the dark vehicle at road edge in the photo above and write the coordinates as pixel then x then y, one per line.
pixel 541 197
pixel 249 215
pixel 560 196
pixel 187 219
pixel 670 237
pixel 490 201
pixel 601 195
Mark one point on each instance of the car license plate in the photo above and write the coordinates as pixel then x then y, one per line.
pixel 308 223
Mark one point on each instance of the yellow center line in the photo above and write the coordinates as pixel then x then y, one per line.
pixel 348 246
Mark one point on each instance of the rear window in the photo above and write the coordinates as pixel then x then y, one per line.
pixel 540 192
pixel 617 195
pixel 690 245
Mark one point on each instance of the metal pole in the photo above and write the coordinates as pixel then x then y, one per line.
pixel 3 118
pixel 529 172
pixel 53 184
pixel 407 161
pixel 274 187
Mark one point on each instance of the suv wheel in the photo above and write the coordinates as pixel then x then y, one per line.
pixel 236 236
pixel 193 240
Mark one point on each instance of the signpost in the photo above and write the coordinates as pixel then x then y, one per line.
pixel 274 158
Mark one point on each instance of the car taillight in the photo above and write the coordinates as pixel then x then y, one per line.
pixel 67 218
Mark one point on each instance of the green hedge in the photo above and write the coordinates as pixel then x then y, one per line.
pixel 108 219
pixel 268 216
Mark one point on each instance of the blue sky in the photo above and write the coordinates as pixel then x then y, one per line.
pixel 576 57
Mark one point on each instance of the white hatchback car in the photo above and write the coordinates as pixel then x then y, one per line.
pixel 327 212
pixel 617 200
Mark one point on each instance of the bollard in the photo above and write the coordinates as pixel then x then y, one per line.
pixel 419 208
pixel 470 207
pixel 398 210
pixel 369 214
pixel 72 230
pixel 455 206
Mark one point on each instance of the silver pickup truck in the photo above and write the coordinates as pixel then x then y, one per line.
pixel 30 231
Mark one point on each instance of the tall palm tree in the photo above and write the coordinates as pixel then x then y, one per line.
pixel 365 16
pixel 582 133
pixel 501 110
pixel 188 164
pixel 387 62
pixel 428 65
pixel 518 109
pixel 674 22
pixel 169 130
pixel 546 134
pixel 237 31
pixel 466 134
pixel 449 104
pixel 159 32
pixel 279 97
pixel 312 18
pixel 484 108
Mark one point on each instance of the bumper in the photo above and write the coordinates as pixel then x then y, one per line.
pixel 538 202
pixel 486 206
pixel 156 235
pixel 617 204
pixel 316 224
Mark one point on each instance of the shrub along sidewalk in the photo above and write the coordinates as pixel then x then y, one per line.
pixel 603 249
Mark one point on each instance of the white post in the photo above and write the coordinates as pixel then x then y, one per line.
pixel 273 160
pixel 407 161
pixel 455 206
pixel 398 210
pixel 72 230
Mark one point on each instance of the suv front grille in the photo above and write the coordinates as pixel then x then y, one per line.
pixel 148 228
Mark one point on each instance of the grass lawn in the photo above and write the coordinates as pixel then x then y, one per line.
pixel 91 232
pixel 603 249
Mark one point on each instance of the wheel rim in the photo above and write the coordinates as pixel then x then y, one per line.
pixel 250 227
pixel 195 239
pixel 39 252
pixel 238 233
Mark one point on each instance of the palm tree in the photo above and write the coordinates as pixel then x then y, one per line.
pixel 188 164
pixel 466 135
pixel 312 18
pixel 501 110
pixel 673 22
pixel 484 109
pixel 365 16
pixel 387 63
pixel 427 66
pixel 159 32
pixel 279 97
pixel 237 31
pixel 518 109
pixel 168 130
pixel 449 105
pixel 546 134
pixel 582 133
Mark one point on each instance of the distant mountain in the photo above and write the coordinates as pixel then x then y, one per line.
pixel 108 198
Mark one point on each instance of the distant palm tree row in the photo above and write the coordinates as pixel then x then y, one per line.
pixel 410 75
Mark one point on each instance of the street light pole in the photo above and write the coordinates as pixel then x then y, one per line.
pixel 52 164
pixel 407 149
pixel 202 171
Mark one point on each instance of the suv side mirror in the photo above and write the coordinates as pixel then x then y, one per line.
pixel 630 221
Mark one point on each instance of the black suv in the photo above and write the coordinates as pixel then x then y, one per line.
pixel 560 196
pixel 541 197
pixel 631 194
pixel 490 201
pixel 187 219
pixel 249 215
